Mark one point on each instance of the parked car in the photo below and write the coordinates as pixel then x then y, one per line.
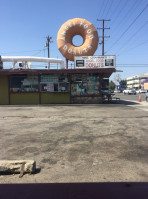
pixel 129 91
pixel 141 91
pixel 146 96
pixel 106 92
pixel 117 91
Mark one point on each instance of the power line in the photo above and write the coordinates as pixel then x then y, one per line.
pixel 134 47
pixel 20 51
pixel 133 35
pixel 38 52
pixel 115 8
pixel 132 66
pixel 101 6
pixel 109 8
pixel 128 28
pixel 104 9
pixel 123 20
pixel 119 11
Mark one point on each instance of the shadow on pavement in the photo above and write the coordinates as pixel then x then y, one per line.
pixel 128 102
pixel 121 102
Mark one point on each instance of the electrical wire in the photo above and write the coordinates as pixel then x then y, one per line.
pixel 38 52
pixel 127 15
pixel 104 9
pixel 109 8
pixel 20 52
pixel 141 44
pixel 114 10
pixel 128 28
pixel 133 35
pixel 132 66
pixel 100 11
pixel 119 11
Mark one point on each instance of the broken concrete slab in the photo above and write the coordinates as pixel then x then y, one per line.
pixel 17 166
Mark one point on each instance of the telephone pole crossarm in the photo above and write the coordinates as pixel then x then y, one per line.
pixel 104 36
pixel 102 28
pixel 103 20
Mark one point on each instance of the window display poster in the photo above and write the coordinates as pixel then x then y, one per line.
pixel 86 88
pixel 81 89
pixel 93 86
pixel 78 89
pixel 93 89
pixel 73 89
pixel 50 87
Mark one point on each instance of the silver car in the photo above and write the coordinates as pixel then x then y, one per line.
pixel 130 91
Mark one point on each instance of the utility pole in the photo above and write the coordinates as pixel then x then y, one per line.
pixel 103 28
pixel 49 40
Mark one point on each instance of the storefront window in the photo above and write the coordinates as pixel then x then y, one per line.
pixel 54 83
pixel 24 83
pixel 85 85
pixel 105 85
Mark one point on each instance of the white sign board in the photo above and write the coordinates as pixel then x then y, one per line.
pixel 107 61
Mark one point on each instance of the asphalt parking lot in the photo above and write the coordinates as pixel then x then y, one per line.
pixel 77 143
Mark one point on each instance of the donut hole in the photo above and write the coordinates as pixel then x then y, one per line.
pixel 77 40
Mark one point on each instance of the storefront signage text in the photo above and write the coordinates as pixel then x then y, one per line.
pixel 95 61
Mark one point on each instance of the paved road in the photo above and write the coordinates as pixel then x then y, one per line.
pixel 130 97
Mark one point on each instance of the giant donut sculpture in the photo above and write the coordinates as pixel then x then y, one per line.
pixel 77 26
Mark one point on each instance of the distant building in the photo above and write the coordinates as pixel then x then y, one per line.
pixel 146 86
pixel 136 82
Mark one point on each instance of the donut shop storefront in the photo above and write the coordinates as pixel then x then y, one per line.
pixel 60 86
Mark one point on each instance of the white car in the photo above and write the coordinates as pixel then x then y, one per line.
pixel 129 91
pixel 141 91
pixel 117 91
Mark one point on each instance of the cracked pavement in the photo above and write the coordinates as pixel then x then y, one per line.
pixel 76 143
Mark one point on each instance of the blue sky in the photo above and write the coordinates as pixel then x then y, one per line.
pixel 26 23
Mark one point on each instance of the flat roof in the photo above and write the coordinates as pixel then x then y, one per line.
pixel 101 72
pixel 137 76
